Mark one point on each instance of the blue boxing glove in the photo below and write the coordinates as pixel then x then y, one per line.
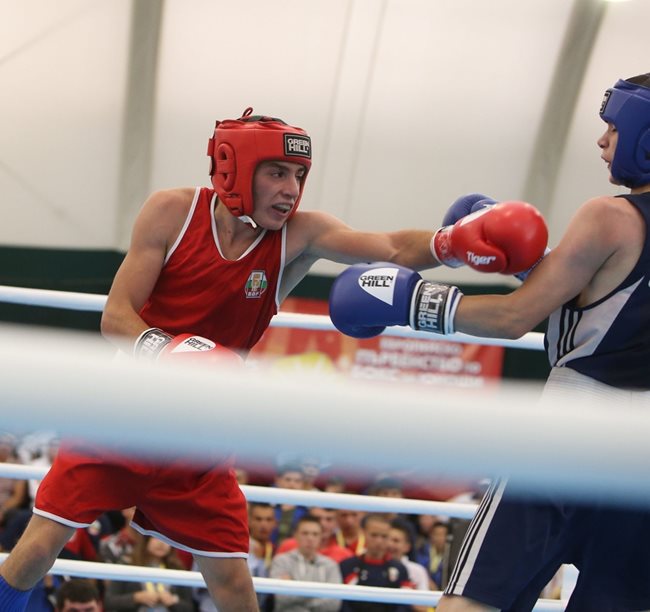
pixel 365 298
pixel 466 205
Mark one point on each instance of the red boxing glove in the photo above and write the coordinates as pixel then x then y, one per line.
pixel 509 237
pixel 153 344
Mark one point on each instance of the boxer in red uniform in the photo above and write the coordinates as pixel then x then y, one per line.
pixel 205 272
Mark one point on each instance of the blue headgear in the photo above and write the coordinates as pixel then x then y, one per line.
pixel 627 106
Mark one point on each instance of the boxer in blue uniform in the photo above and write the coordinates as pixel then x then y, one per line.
pixel 594 288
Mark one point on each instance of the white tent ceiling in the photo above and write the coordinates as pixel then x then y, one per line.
pixel 409 103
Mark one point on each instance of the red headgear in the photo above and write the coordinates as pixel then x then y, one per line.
pixel 239 145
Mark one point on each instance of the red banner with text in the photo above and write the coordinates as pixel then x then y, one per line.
pixel 387 358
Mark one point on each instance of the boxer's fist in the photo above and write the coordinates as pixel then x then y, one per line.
pixel 472 202
pixel 198 348
pixel 364 299
pixel 509 237
pixel 466 205
pixel 154 344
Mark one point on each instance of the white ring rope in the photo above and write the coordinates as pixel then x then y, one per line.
pixel 52 299
pixel 96 303
pixel 139 412
pixel 69 385
pixel 130 573
pixel 322 499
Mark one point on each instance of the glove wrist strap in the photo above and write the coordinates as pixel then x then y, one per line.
pixel 433 307
pixel 441 248
pixel 150 344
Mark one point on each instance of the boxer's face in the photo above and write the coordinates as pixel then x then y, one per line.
pixel 607 142
pixel 276 187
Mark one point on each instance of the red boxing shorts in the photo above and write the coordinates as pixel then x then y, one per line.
pixel 196 509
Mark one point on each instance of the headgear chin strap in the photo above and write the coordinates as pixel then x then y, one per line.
pixel 627 106
pixel 238 146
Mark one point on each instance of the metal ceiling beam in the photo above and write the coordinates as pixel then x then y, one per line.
pixel 582 30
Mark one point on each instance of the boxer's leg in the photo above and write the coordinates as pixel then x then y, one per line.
pixel 30 560
pixel 229 583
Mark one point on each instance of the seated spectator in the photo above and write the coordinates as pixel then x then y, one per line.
pixel 434 556
pixel 261 524
pixel 289 476
pixel 349 533
pixel 118 547
pixel 78 596
pixel 137 596
pixel 400 545
pixel 334 484
pixel 311 470
pixel 305 563
pixel 375 567
pixel 310 466
pixel 85 541
pixel 387 486
pixel 329 546
pixel 423 525
pixel 83 544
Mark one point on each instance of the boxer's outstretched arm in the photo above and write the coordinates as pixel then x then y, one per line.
pixel 316 235
pixel 366 298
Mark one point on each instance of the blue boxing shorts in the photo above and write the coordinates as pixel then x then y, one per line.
pixel 515 545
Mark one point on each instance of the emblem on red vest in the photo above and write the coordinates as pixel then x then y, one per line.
pixel 256 284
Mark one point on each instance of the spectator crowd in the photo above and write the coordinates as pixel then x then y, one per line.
pixel 287 542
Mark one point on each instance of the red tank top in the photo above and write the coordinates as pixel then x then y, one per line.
pixel 200 292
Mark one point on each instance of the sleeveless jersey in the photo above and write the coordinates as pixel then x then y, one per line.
pixel 200 292
pixel 609 340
